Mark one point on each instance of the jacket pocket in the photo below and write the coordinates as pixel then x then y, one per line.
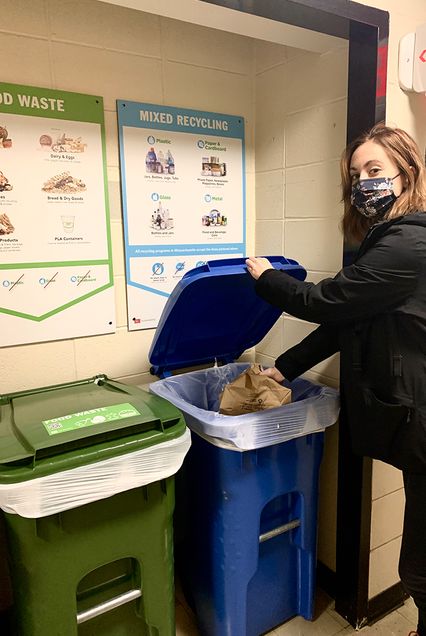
pixel 376 425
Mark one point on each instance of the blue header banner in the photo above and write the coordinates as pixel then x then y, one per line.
pixel 179 119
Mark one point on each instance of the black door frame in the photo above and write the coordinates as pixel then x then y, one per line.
pixel 367 30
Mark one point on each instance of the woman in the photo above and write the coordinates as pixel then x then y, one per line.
pixel 374 313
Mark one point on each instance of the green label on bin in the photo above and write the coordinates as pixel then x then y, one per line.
pixel 103 414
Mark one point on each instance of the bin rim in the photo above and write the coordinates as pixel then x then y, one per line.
pixel 316 407
pixel 58 492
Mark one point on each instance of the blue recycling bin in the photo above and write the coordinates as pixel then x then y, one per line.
pixel 246 496
pixel 247 555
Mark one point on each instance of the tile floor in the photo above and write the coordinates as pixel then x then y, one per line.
pixel 327 622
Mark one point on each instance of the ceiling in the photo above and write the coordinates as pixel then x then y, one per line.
pixel 225 19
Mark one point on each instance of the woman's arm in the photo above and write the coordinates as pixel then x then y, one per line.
pixel 317 346
pixel 381 279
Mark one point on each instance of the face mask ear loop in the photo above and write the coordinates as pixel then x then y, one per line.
pixel 404 185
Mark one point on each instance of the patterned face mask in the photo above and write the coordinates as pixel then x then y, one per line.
pixel 374 197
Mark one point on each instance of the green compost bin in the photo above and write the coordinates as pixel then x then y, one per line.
pixel 87 492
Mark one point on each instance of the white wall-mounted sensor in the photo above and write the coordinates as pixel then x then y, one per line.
pixel 405 61
pixel 412 61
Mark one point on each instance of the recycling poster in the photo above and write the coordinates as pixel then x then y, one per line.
pixel 183 195
pixel 55 249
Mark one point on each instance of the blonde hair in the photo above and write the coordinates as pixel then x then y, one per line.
pixel 403 150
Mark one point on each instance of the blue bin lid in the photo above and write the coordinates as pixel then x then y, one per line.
pixel 214 313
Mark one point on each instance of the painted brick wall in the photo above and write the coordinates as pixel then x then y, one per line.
pixel 96 48
pixel 300 133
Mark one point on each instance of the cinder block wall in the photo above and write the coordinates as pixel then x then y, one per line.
pixel 96 48
pixel 301 101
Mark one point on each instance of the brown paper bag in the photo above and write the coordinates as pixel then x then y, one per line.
pixel 251 392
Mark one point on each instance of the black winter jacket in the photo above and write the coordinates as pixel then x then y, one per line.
pixel 374 313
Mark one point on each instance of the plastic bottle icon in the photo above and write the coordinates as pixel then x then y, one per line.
pixel 150 160
pixel 170 162
pixel 162 163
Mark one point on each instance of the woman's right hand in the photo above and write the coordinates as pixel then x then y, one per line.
pixel 273 373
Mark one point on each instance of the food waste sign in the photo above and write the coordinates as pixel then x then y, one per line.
pixel 183 195
pixel 55 247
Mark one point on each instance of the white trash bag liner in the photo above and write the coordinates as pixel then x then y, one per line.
pixel 68 489
pixel 197 395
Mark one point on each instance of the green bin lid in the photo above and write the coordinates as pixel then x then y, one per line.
pixel 56 428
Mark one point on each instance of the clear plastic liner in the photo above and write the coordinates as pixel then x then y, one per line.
pixel 197 395
pixel 61 491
